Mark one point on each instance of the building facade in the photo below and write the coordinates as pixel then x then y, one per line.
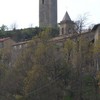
pixel 47 13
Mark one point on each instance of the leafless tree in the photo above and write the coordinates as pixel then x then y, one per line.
pixel 81 23
pixel 13 26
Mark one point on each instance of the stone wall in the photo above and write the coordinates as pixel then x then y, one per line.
pixel 47 13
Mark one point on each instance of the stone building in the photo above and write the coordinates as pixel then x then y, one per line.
pixel 48 18
pixel 6 43
pixel 96 28
pixel 67 26
pixel 47 13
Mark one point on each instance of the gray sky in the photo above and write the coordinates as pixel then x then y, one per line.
pixel 25 12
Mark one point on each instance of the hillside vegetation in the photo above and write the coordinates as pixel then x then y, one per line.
pixel 49 71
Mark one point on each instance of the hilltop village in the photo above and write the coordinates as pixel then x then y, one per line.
pixel 48 19
pixel 55 61
pixel 66 29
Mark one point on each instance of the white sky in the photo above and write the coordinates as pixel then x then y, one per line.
pixel 26 12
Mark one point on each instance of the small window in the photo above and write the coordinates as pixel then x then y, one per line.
pixel 62 31
pixel 42 1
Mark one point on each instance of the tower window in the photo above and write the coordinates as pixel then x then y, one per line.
pixel 62 31
pixel 42 1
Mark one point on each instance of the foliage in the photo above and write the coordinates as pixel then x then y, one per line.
pixel 41 71
pixel 19 35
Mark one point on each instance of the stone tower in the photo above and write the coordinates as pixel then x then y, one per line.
pixel 47 13
pixel 66 25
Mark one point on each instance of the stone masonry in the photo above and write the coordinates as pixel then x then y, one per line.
pixel 48 13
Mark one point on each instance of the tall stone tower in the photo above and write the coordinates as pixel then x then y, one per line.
pixel 47 13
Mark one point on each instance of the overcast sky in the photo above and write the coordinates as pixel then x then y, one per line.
pixel 25 12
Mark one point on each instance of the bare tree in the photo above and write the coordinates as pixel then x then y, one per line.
pixel 13 26
pixel 81 23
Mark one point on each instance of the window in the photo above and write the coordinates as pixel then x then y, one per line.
pixel 42 1
pixel 62 31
